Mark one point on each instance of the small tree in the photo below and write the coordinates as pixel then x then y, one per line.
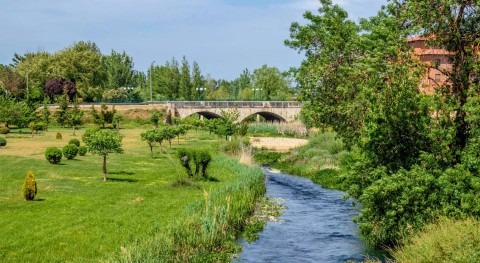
pixel 29 188
pixel 150 137
pixel 185 156
pixel 45 115
pixel 103 142
pixel 97 119
pixel 106 115
pixel 73 117
pixel 116 121
pixel 168 133
pixel 155 118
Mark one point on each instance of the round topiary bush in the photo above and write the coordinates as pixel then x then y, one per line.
pixel 29 188
pixel 3 141
pixel 59 136
pixel 53 155
pixel 70 151
pixel 74 141
pixel 82 150
pixel 4 130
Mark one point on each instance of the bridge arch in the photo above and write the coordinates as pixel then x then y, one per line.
pixel 270 110
pixel 267 115
pixel 206 114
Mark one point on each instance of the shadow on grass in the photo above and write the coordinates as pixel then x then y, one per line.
pixel 122 173
pixel 127 180
pixel 39 200
pixel 211 179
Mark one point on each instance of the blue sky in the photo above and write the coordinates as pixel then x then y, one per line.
pixel 223 36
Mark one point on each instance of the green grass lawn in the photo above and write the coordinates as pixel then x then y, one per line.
pixel 78 217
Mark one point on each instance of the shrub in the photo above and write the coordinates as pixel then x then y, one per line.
pixel 185 157
pixel 266 157
pixel 444 241
pixel 201 158
pixel 82 150
pixel 59 136
pixel 3 141
pixel 74 141
pixel 53 155
pixel 36 127
pixel 70 151
pixel 4 130
pixel 29 188
pixel 328 178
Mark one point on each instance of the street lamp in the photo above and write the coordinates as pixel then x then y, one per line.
pixel 200 91
pixel 255 91
pixel 27 84
pixel 151 72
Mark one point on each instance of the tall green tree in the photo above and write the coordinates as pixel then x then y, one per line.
pixel 269 84
pixel 198 89
pixel 119 70
pixel 455 27
pixel 185 80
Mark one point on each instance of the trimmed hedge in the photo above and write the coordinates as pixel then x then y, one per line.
pixel 3 141
pixel 53 155
pixel 70 151
pixel 4 130
pixel 74 141
pixel 82 150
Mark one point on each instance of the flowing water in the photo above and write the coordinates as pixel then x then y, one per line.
pixel 316 226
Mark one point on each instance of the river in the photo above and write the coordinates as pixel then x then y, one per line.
pixel 316 225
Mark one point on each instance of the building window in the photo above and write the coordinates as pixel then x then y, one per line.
pixel 437 77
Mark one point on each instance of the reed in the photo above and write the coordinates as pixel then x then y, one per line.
pixel 208 228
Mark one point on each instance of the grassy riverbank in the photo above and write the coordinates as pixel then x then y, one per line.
pixel 319 160
pixel 77 217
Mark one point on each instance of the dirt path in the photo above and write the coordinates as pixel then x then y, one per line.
pixel 277 144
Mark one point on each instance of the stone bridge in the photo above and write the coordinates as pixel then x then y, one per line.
pixel 270 110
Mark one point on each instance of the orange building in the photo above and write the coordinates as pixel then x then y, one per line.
pixel 431 56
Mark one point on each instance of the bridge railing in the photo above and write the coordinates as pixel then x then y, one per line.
pixel 235 104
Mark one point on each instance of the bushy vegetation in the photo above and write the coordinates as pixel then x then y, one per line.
pixel 53 155
pixel 199 158
pixel 266 157
pixel 209 227
pixel 414 156
pixel 70 151
pixel 4 130
pixel 74 141
pixel 82 150
pixel 29 188
pixel 289 129
pixel 3 141
pixel 443 241
pixel 319 160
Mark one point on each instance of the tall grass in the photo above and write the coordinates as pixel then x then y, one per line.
pixel 289 129
pixel 445 241
pixel 208 228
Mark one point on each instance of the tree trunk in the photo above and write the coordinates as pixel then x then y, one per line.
pixel 105 168
pixel 151 151
pixel 73 130
pixel 118 127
